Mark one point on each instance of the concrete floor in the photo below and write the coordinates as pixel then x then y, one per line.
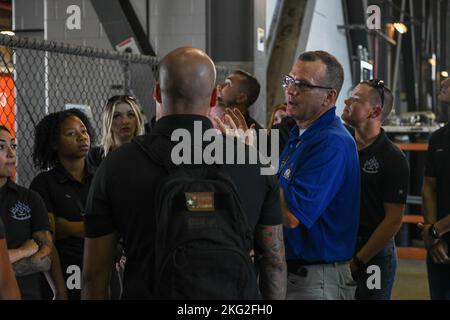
pixel 411 281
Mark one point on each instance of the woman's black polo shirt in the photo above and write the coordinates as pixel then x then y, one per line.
pixel 438 166
pixel 65 198
pixel 384 179
pixel 23 213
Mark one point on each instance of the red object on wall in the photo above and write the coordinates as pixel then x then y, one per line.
pixel 7 105
pixel 7 102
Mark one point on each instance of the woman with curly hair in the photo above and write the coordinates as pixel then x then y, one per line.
pixel 62 142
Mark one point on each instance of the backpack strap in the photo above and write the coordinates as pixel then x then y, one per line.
pixel 156 152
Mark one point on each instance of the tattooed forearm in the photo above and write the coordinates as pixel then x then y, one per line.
pixel 43 238
pixel 40 261
pixel 273 277
pixel 31 265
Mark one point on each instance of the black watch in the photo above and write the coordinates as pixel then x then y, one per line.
pixel 433 232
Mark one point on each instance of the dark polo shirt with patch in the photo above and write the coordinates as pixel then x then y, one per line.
pixel 23 213
pixel 66 198
pixel 122 198
pixel 438 166
pixel 384 179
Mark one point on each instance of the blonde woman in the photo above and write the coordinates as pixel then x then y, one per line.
pixel 278 114
pixel 122 121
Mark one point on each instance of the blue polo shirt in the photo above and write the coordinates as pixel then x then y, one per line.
pixel 319 174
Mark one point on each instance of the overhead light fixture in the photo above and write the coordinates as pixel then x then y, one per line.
pixel 444 74
pixel 400 27
pixel 8 33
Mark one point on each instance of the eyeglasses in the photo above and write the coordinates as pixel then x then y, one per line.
pixel 299 84
pixel 377 84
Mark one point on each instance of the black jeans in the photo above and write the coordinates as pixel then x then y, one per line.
pixel 438 280
pixel 386 263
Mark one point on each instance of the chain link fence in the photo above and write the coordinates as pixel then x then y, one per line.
pixel 38 77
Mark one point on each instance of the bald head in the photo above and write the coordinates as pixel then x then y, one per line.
pixel 187 78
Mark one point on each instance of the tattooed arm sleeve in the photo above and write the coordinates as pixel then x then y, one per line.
pixel 273 276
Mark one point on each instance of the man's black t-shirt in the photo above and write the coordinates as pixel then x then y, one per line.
pixel 23 213
pixel 66 198
pixel 438 166
pixel 384 179
pixel 249 120
pixel 122 199
pixel 95 157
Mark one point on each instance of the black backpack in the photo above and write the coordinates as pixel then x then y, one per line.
pixel 203 239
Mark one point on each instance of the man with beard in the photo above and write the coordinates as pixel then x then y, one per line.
pixel 239 90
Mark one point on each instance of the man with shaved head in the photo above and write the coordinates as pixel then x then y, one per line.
pixel 187 78
pixel 122 198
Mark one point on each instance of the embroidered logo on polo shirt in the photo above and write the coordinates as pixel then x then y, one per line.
pixel 21 211
pixel 371 166
pixel 287 173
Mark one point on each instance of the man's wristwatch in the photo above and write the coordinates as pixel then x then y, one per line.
pixel 433 232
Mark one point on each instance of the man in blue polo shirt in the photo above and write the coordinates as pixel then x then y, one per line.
pixel 320 183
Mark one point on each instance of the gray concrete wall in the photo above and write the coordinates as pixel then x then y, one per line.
pixel 173 23
pixel 91 33
pixel 29 83
pixel 78 80
pixel 28 15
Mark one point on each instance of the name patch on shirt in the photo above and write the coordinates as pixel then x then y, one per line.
pixel 200 201
pixel 21 211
